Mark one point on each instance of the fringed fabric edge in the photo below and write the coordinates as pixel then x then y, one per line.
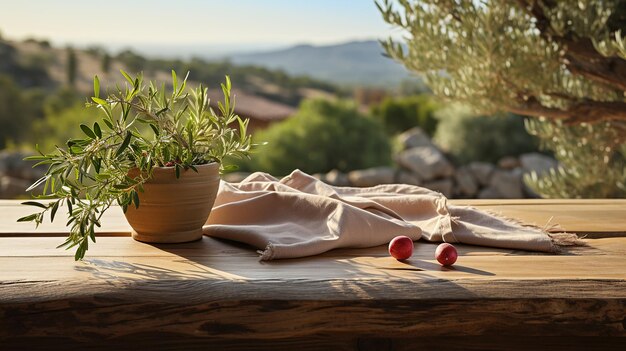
pixel 559 238
pixel 267 254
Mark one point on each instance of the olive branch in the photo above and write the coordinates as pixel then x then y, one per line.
pixel 142 126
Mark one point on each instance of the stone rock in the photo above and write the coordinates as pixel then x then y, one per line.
pixel 13 187
pixel 372 176
pixel 482 171
pixel 541 164
pixel 12 164
pixel 425 161
pixel 8 163
pixel 443 186
pixel 489 193
pixel 337 178
pixel 466 184
pixel 508 183
pixel 235 177
pixel 508 162
pixel 32 174
pixel 406 177
pixel 320 176
pixel 414 137
pixel 530 193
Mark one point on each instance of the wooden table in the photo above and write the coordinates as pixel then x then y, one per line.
pixel 217 293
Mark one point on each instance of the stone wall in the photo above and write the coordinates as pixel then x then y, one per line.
pixel 419 162
pixel 16 175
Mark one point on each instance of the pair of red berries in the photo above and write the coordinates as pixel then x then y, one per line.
pixel 401 248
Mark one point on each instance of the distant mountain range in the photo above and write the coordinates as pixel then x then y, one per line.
pixel 357 62
pixel 350 63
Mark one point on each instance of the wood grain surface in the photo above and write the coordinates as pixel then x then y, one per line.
pixel 217 294
pixel 582 216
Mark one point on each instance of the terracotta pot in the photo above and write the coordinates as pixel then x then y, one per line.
pixel 173 210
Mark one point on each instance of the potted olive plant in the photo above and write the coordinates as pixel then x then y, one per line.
pixel 156 153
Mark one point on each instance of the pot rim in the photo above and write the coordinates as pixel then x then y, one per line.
pixel 204 165
pixel 170 172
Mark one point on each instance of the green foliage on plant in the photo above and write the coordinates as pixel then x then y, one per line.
pixel 558 59
pixel 323 135
pixel 469 136
pixel 591 161
pixel 561 60
pixel 400 114
pixel 142 126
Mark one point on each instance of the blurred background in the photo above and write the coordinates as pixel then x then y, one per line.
pixel 311 76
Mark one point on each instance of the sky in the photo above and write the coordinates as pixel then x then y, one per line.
pixel 229 23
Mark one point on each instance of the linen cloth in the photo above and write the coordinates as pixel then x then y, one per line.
pixel 299 216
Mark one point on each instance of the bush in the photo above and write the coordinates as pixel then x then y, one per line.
pixel 401 114
pixel 323 135
pixel 134 63
pixel 14 112
pixel 469 137
pixel 10 109
pixel 592 160
pixel 59 126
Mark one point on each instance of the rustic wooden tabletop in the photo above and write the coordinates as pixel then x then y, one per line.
pixel 217 293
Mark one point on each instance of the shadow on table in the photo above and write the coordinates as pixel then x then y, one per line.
pixel 233 267
pixel 422 265
pixel 105 269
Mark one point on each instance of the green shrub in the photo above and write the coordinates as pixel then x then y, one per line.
pixel 53 117
pixel 17 109
pixel 400 114
pixel 323 135
pixel 59 126
pixel 592 159
pixel 469 137
pixel 10 109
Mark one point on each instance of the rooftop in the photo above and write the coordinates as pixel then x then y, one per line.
pixel 253 106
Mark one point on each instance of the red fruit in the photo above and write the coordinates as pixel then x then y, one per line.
pixel 401 247
pixel 170 164
pixel 446 254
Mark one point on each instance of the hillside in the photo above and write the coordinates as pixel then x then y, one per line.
pixel 358 62
pixel 43 88
pixel 37 64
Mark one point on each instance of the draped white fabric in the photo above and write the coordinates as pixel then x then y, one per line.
pixel 300 216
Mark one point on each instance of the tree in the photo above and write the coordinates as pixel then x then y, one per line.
pixel 71 66
pixel 321 136
pixel 18 108
pixel 59 126
pixel 461 133
pixel 545 58
pixel 134 62
pixel 562 61
pixel 400 114
pixel 11 109
pixel 105 63
pixel 592 161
